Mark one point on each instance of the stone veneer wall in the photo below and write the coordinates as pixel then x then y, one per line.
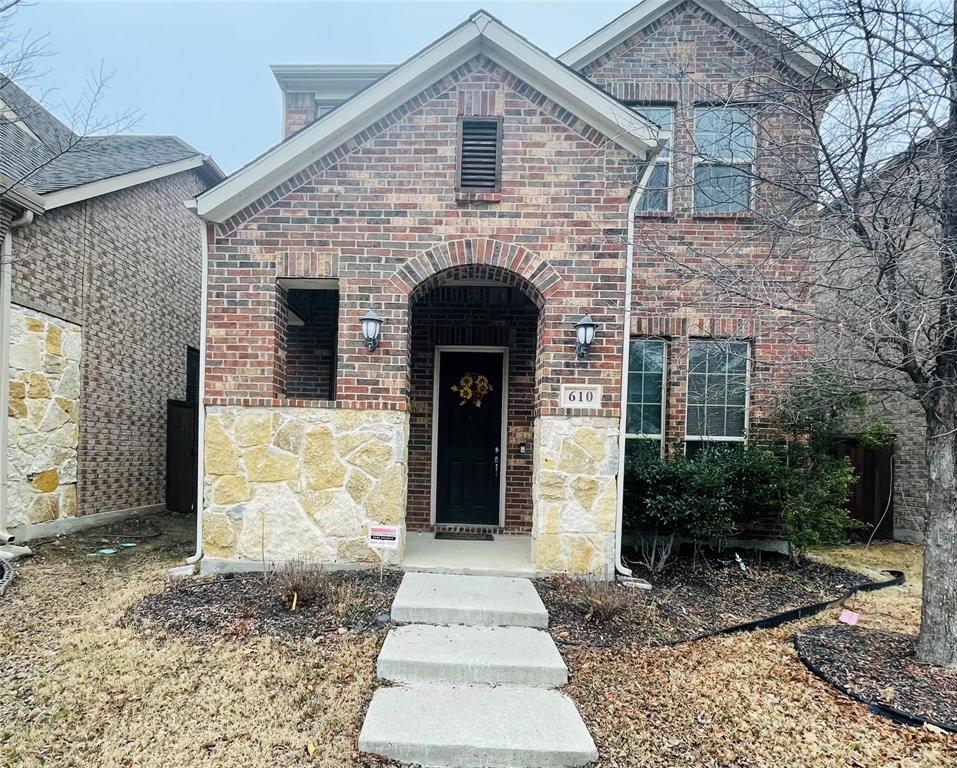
pixel 576 460
pixel 44 417
pixel 288 483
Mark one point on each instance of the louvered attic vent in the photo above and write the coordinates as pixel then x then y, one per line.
pixel 480 155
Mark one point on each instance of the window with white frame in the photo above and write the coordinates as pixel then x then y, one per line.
pixel 717 408
pixel 647 363
pixel 657 195
pixel 724 140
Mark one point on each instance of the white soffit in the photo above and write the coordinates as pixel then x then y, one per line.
pixel 481 33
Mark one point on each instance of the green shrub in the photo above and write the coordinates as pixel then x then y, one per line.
pixel 731 487
pixel 815 507
pixel 703 498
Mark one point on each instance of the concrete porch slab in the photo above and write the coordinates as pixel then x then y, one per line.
pixel 507 555
pixel 476 725
pixel 435 598
pixel 458 654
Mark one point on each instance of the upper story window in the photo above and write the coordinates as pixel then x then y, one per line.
pixel 657 195
pixel 724 140
pixel 646 390
pixel 480 154
pixel 718 381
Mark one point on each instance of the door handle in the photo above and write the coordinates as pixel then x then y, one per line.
pixel 496 462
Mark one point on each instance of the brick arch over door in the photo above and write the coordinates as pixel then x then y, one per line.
pixel 539 280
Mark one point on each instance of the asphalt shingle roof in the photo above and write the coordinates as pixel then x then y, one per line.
pixel 61 159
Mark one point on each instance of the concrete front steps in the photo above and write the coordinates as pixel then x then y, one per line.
pixel 474 676
pixel 439 598
pixel 460 654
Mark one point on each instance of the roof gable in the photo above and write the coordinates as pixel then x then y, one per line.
pixel 41 156
pixel 741 16
pixel 480 34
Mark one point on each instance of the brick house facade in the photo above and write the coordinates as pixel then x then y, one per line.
pixel 366 201
pixel 104 291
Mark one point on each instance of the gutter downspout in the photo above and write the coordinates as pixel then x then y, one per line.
pixel 201 405
pixel 620 568
pixel 6 301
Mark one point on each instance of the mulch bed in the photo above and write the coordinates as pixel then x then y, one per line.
pixel 253 604
pixel 880 669
pixel 692 597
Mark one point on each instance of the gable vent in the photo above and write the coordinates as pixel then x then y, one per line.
pixel 480 155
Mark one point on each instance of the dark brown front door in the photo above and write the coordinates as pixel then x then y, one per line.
pixel 468 463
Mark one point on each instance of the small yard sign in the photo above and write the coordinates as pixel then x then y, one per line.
pixel 587 396
pixel 383 536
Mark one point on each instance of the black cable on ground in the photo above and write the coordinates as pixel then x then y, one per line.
pixel 6 575
pixel 897 578
pixel 899 716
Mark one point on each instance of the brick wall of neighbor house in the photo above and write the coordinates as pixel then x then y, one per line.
pixel 475 316
pixel 687 58
pixel 910 470
pixel 125 268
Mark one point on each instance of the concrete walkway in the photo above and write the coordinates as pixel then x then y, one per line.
pixel 474 672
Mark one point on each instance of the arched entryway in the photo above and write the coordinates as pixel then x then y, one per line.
pixel 474 332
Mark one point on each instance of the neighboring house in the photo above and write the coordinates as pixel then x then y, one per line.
pixel 903 197
pixel 396 292
pixel 101 301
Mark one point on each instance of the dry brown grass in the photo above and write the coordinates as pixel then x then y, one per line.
pixel 746 700
pixel 77 689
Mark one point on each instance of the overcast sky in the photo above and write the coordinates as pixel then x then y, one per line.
pixel 200 70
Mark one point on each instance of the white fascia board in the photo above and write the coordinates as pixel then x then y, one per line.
pixel 481 34
pixel 19 194
pixel 615 31
pixel 744 18
pixel 116 183
pixel 622 125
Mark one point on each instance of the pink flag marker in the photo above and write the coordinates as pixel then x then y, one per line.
pixel 849 617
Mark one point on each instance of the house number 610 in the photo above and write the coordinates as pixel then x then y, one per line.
pixel 581 397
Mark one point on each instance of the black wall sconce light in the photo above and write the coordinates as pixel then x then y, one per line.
pixel 371 330
pixel 584 335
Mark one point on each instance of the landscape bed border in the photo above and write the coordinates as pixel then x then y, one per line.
pixel 899 716
pixel 802 612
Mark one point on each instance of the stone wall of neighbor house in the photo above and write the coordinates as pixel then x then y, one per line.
pixel 576 461
pixel 45 357
pixel 125 267
pixel 302 483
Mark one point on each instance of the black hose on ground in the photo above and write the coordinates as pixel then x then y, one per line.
pixel 6 575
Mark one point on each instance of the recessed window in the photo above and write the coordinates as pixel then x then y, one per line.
pixel 718 372
pixel 657 195
pixel 311 339
pixel 480 154
pixel 644 419
pixel 724 158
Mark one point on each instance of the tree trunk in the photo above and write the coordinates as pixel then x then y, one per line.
pixel 937 643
